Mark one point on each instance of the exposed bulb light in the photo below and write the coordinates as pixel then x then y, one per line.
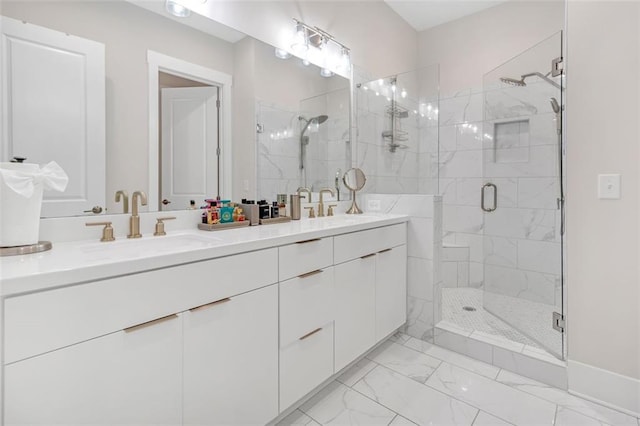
pixel 325 72
pixel 403 93
pixel 300 43
pixel 282 54
pixel 177 9
pixel 345 59
pixel 393 88
pixel 380 82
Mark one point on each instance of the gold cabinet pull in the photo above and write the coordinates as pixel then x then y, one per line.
pixel 208 305
pixel 367 256
pixel 311 333
pixel 309 274
pixel 307 241
pixel 150 323
pixel 385 250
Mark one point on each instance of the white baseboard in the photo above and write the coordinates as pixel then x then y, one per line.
pixel 605 387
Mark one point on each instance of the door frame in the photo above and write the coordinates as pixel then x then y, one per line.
pixel 160 62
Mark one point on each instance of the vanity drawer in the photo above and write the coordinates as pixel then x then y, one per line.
pixel 48 320
pixel 305 304
pixel 305 256
pixel 305 364
pixel 362 243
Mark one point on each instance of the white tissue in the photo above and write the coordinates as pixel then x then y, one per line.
pixel 23 182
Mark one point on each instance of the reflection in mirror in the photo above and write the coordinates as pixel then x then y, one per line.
pixel 354 179
pixel 128 32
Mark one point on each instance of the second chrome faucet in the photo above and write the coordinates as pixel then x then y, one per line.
pixel 134 220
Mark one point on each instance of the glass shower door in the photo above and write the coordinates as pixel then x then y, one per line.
pixel 522 197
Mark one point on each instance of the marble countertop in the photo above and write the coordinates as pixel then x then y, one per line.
pixel 76 262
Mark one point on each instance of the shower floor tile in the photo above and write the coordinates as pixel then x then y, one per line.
pixel 463 308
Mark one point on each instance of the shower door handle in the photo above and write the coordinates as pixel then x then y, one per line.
pixel 495 197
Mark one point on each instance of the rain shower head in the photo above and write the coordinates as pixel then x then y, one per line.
pixel 314 120
pixel 513 81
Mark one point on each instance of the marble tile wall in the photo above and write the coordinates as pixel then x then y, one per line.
pixel 507 136
pixel 424 249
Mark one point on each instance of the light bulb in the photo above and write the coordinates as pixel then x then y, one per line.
pixel 403 93
pixel 177 9
pixel 325 72
pixel 300 43
pixel 345 59
pixel 282 54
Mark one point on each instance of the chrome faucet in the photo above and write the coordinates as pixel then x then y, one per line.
pixel 125 200
pixel 304 189
pixel 321 203
pixel 134 220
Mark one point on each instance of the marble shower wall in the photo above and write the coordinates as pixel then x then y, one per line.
pixel 405 105
pixel 424 250
pixel 506 136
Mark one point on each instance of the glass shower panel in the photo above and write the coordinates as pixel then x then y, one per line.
pixel 522 194
pixel 397 139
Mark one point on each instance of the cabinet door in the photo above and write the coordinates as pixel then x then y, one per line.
pixel 391 290
pixel 231 360
pixel 127 377
pixel 355 309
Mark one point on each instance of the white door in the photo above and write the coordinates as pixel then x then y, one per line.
pixel 53 108
pixel 189 144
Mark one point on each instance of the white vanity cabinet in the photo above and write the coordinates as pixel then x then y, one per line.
pixel 231 360
pixel 127 377
pixel 195 340
pixel 233 337
pixel 371 298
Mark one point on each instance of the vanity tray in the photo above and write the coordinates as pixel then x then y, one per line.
pixel 271 221
pixel 221 226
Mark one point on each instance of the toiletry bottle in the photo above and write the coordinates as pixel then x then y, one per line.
pixel 275 210
pixel 294 206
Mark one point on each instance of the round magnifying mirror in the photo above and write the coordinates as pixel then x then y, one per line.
pixel 354 179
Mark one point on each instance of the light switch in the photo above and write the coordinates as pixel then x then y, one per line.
pixel 609 187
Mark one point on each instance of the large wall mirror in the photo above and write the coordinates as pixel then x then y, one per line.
pixel 213 88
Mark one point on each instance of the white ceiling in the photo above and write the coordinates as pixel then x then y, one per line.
pixel 425 14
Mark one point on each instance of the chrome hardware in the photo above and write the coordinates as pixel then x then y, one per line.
pixel 311 333
pixel 330 210
pixel 557 67
pixel 122 194
pixel 134 220
pixel 321 203
pixel 107 231
pixel 208 305
pixel 303 189
pixel 160 225
pixel 558 322
pixel 312 212
pixel 149 323
pixel 259 128
pixel 94 210
pixel 165 202
pixel 495 197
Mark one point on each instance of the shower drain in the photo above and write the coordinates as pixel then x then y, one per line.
pixel 468 308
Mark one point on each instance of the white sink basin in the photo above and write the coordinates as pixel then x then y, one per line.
pixel 147 246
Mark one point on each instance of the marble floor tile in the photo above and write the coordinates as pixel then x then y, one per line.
pixel 486 419
pixel 566 417
pixel 356 372
pixel 418 403
pixel 337 404
pixel 406 361
pixel 401 421
pixel 566 400
pixel 454 358
pixel 495 398
pixel 298 418
pixel 399 337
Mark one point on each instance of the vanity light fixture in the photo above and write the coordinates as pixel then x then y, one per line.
pixel 316 45
pixel 177 9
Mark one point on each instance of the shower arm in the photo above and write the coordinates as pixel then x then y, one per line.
pixel 542 76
